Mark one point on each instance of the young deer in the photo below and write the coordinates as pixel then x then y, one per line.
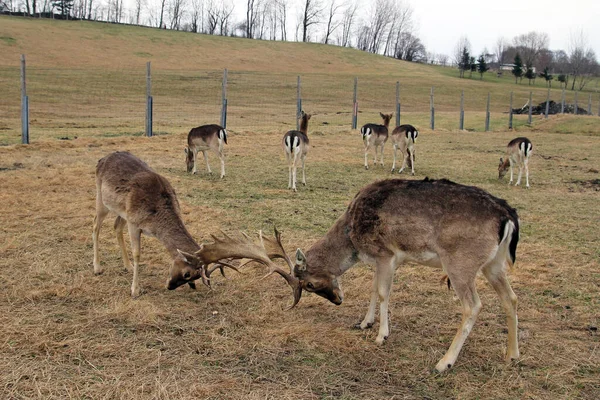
pixel 404 137
pixel 204 138
pixel 518 152
pixel 461 229
pixel 145 202
pixel 296 146
pixel 376 136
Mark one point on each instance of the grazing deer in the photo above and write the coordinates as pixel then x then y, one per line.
pixel 404 137
pixel 461 229
pixel 376 136
pixel 204 138
pixel 518 152
pixel 296 146
pixel 146 202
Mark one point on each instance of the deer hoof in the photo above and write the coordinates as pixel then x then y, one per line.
pixel 366 167
pixel 362 325
pixel 443 366
pixel 380 340
pixel 98 271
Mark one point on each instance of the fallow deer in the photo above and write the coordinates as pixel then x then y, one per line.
pixel 404 138
pixel 461 229
pixel 204 138
pixel 518 152
pixel 375 135
pixel 296 146
pixel 146 202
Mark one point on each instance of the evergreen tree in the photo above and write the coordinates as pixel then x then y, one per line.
pixel 472 66
pixel 562 78
pixel 517 70
pixel 530 75
pixel 547 76
pixel 482 67
pixel 64 6
pixel 464 62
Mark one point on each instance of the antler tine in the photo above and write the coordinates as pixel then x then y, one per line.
pixel 275 248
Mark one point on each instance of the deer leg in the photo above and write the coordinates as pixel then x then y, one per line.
pixel 135 234
pixel 404 155
pixel 471 305
pixel 412 161
pixel 367 147
pixel 119 225
pixel 206 159
pixel 382 145
pixel 496 275
pixel 385 276
pixel 395 151
pixel 195 152
pixel 511 172
pixel 367 322
pixel 375 156
pixel 101 212
pixel 526 162
pixel 222 158
pixel 303 175
pixel 294 171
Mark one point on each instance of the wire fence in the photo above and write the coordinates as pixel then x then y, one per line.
pixel 68 102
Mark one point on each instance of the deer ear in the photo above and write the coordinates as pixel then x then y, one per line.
pixel 382 116
pixel 501 160
pixel 187 257
pixel 300 260
pixel 186 150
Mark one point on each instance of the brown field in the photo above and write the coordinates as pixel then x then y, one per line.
pixel 66 333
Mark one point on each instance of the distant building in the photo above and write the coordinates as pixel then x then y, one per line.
pixel 509 67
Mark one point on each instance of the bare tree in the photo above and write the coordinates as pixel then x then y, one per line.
pixel 332 22
pixel 401 26
pixel 582 60
pixel 443 59
pixel 311 15
pixel 462 45
pixel 500 51
pixel 252 16
pixel 175 10
pixel 529 46
pixel 378 24
pixel 347 23
pixel 197 15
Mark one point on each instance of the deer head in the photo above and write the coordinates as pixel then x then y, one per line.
pixel 386 118
pixel 502 168
pixel 189 159
pixel 317 281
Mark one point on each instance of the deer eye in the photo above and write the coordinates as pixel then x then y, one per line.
pixel 309 285
pixel 187 275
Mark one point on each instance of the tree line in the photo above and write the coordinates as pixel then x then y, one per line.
pixel 528 56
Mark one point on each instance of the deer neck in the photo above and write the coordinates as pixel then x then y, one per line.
pixel 304 126
pixel 175 237
pixel 335 252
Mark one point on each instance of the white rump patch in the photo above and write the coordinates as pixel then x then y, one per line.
pixel 222 134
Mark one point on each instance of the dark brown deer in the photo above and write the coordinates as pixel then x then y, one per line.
pixel 404 138
pixel 518 152
pixel 296 146
pixel 375 136
pixel 146 202
pixel 204 138
pixel 461 229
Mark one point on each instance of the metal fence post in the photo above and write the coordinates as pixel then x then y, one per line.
pixel 397 103
pixel 547 104
pixel 576 106
pixel 487 114
pixel 355 105
pixel 590 105
pixel 562 102
pixel 24 104
pixel 432 110
pixel 599 106
pixel 224 100
pixel 461 123
pixel 510 112
pixel 149 100
pixel 298 103
pixel 530 108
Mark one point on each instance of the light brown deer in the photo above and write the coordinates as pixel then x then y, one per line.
pixel 203 138
pixel 404 138
pixel 146 202
pixel 461 229
pixel 375 136
pixel 518 152
pixel 296 146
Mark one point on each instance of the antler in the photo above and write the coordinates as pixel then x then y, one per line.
pixel 226 249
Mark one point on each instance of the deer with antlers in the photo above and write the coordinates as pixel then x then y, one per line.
pixel 146 202
pixel 295 147
pixel 518 152
pixel 438 223
pixel 404 138
pixel 375 136
pixel 203 138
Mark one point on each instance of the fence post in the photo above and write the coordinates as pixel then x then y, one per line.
pixel 355 105
pixel 510 112
pixel 432 110
pixel 562 102
pixel 398 103
pixel 590 105
pixel 530 108
pixel 461 123
pixel 298 102
pixel 24 104
pixel 149 100
pixel 224 100
pixel 547 104
pixel 487 114
pixel 576 106
pixel 599 106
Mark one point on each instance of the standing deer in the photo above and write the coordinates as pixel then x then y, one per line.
pixel 438 223
pixel 296 146
pixel 404 137
pixel 376 136
pixel 518 152
pixel 204 138
pixel 146 202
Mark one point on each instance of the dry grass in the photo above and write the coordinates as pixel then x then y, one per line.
pixel 66 333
